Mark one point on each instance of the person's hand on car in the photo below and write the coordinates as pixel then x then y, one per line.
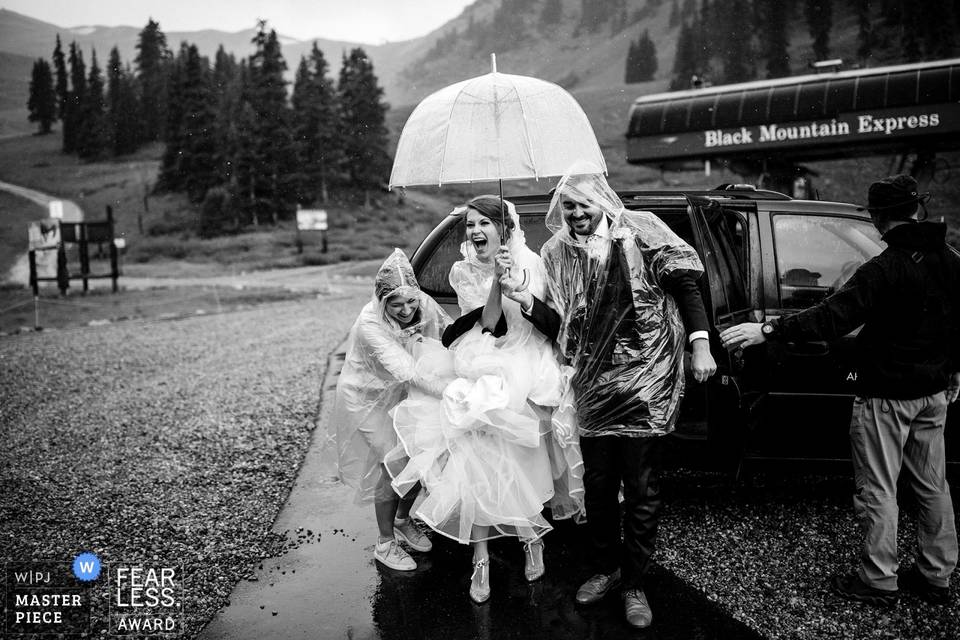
pixel 953 387
pixel 742 335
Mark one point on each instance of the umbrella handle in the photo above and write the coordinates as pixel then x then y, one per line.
pixel 526 281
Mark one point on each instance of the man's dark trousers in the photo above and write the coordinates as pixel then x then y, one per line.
pixel 636 462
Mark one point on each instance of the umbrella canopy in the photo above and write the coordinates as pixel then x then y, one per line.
pixel 494 127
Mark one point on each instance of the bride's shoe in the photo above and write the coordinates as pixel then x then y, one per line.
pixel 533 567
pixel 480 581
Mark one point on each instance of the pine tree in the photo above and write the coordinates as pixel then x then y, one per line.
pixel 190 161
pixel 150 62
pixel 938 27
pixel 704 35
pixel 630 72
pixel 75 98
pixel 642 59
pixel 865 29
pixel 364 122
pixel 911 33
pixel 92 135
pixel 685 62
pixel 550 14
pixel 123 117
pixel 236 151
pixel 316 125
pixel 267 190
pixel 735 54
pixel 675 17
pixel 171 177
pixel 774 14
pixel 59 63
pixel 648 57
pixel 227 87
pixel 819 15
pixel 198 158
pixel 891 11
pixel 42 102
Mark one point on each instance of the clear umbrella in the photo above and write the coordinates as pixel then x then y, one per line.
pixel 494 127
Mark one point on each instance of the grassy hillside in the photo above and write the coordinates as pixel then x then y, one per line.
pixel 15 73
pixel 160 229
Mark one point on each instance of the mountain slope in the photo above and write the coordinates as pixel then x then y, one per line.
pixel 25 36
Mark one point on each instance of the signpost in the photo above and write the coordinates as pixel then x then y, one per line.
pixel 53 233
pixel 310 221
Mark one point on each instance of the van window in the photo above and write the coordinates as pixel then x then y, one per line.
pixel 433 278
pixel 722 257
pixel 817 254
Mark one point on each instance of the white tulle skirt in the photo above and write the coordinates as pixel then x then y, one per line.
pixel 484 453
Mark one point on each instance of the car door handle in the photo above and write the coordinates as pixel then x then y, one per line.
pixel 816 348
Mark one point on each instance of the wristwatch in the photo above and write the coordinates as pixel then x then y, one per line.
pixel 768 329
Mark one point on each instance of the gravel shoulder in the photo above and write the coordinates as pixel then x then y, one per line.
pixel 175 441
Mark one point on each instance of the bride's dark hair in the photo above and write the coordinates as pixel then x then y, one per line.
pixel 489 207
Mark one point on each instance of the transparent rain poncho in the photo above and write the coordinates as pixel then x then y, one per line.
pixel 620 331
pixel 377 370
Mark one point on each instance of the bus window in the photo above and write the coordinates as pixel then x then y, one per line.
pixel 783 104
pixel 675 116
pixel 811 101
pixel 871 92
pixel 701 113
pixel 755 106
pixel 839 96
pixel 728 110
pixel 934 86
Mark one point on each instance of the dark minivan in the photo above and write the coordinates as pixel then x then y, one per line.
pixel 765 255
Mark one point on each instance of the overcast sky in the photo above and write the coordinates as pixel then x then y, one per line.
pixel 367 21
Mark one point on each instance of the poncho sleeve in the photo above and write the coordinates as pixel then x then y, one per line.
pixel 663 250
pixel 382 348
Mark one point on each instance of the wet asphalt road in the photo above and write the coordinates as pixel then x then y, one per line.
pixel 327 584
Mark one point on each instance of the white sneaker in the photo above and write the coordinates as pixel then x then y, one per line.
pixel 391 554
pixel 408 532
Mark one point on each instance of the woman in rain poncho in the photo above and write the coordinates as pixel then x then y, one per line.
pixel 625 287
pixel 486 453
pixel 378 370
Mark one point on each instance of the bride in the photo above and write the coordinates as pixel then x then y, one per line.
pixel 494 449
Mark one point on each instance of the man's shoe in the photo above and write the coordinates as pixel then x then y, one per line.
pixel 596 587
pixel 533 567
pixel 480 581
pixel 392 555
pixel 850 586
pixel 914 581
pixel 408 532
pixel 637 608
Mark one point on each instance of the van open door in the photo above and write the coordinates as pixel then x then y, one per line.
pixel 724 242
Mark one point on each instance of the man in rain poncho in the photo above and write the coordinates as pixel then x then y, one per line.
pixel 625 288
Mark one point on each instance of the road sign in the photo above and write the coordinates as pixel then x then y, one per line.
pixel 312 220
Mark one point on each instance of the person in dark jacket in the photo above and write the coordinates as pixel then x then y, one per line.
pixel 623 307
pixel 907 300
